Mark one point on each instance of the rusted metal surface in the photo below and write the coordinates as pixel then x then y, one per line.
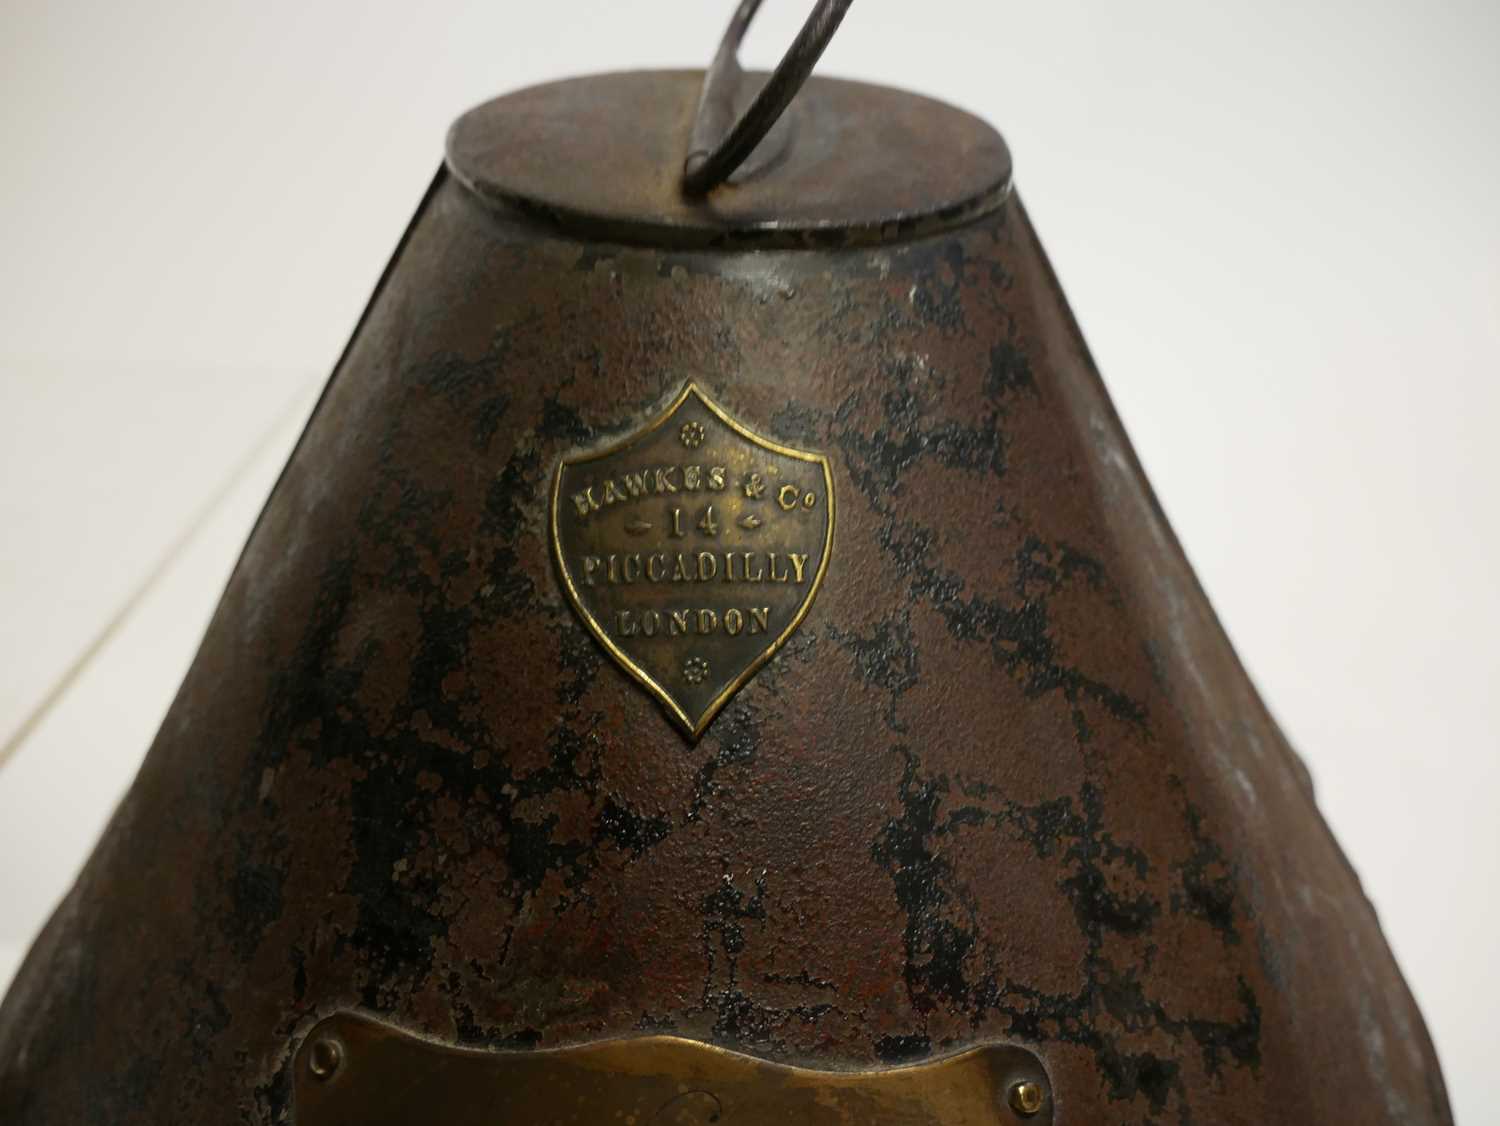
pixel 351 1069
pixel 849 163
pixel 1006 784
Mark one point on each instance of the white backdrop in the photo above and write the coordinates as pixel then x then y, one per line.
pixel 1277 223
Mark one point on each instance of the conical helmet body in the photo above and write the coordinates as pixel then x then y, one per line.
pixel 741 621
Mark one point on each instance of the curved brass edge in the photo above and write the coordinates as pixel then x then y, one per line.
pixel 694 730
pixel 354 1067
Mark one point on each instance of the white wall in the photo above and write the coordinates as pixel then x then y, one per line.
pixel 1276 221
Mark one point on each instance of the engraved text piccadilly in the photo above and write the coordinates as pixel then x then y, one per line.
pixel 692 550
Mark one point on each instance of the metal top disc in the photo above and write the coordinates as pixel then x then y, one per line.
pixel 848 164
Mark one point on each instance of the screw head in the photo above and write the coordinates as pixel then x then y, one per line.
pixel 1026 1097
pixel 325 1057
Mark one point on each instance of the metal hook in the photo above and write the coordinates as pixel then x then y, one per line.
pixel 717 148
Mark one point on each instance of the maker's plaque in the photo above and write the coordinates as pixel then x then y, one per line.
pixel 692 550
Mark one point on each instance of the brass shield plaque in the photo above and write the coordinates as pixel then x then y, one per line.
pixel 692 549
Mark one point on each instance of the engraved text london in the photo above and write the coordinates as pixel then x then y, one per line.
pixel 692 550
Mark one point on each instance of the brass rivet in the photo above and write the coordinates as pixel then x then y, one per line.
pixel 1026 1098
pixel 325 1057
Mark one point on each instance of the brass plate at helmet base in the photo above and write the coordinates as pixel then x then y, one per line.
pixel 692 549
pixel 351 1069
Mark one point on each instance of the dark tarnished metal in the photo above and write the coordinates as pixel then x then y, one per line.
pixel 692 549
pixel 848 164
pixel 385 1077
pixel 1006 786
pixel 720 141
